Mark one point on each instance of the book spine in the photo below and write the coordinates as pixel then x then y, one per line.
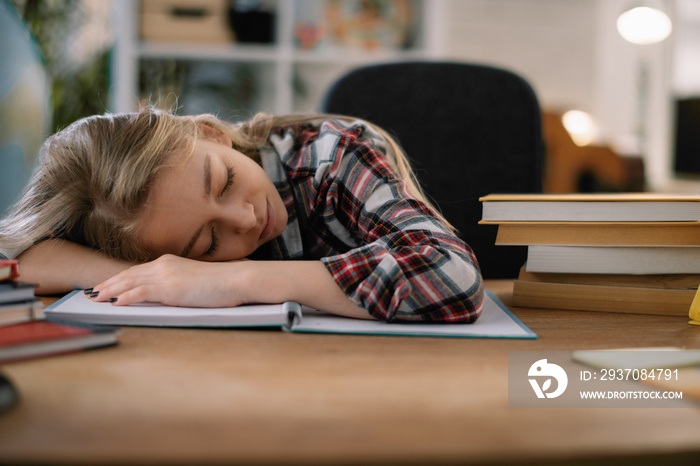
pixel 629 300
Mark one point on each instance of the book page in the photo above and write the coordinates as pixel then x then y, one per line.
pixel 76 306
pixel 496 321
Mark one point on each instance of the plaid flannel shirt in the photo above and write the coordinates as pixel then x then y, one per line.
pixel 387 251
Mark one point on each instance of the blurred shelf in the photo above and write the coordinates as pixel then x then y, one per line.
pixel 284 62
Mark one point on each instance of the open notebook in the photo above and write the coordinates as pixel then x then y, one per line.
pixel 496 320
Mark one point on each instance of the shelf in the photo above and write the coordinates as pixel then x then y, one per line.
pixel 347 55
pixel 288 63
pixel 189 51
pixel 269 53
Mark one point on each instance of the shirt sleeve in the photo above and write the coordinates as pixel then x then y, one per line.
pixel 405 265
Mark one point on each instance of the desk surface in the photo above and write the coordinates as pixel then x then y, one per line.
pixel 248 396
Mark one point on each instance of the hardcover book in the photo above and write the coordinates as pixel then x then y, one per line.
pixel 618 207
pixel 634 260
pixel 628 294
pixel 496 320
pixel 43 338
pixel 14 313
pixel 8 269
pixel 600 234
pixel 15 292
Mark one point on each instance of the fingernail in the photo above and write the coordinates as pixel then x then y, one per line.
pixel 87 290
pixel 94 294
pixel 112 300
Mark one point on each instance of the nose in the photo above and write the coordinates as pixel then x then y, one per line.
pixel 239 217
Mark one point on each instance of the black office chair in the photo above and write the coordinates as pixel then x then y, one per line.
pixel 469 130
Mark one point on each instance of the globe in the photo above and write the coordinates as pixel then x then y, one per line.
pixel 25 104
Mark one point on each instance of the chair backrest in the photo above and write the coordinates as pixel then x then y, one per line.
pixel 469 130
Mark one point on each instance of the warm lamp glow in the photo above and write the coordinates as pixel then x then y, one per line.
pixel 644 25
pixel 580 126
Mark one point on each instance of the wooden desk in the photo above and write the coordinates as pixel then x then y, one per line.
pixel 243 396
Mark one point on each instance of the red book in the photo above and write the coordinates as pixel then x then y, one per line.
pixel 8 269
pixel 43 338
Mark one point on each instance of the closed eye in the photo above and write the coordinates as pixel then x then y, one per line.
pixel 229 180
pixel 214 244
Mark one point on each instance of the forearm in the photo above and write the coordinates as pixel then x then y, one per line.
pixel 58 266
pixel 305 282
pixel 177 281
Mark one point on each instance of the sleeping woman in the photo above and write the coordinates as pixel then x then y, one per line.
pixel 194 211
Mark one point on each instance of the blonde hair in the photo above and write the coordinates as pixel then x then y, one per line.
pixel 95 175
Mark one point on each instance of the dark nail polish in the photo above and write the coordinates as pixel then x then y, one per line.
pixel 94 294
pixel 112 300
pixel 87 290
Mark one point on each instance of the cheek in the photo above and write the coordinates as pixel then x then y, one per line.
pixel 233 247
pixel 281 215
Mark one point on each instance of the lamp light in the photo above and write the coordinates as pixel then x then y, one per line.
pixel 580 126
pixel 644 25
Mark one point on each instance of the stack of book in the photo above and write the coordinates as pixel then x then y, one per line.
pixel 24 331
pixel 631 253
pixel 17 301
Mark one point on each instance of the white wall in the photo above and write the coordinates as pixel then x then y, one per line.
pixel 686 57
pixel 571 53
pixel 546 41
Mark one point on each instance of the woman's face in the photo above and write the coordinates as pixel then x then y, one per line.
pixel 217 205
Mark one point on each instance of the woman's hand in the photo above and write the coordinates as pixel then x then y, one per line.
pixel 174 281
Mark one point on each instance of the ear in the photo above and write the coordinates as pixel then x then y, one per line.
pixel 209 132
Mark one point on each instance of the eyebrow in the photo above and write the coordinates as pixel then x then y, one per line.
pixel 207 192
pixel 207 175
